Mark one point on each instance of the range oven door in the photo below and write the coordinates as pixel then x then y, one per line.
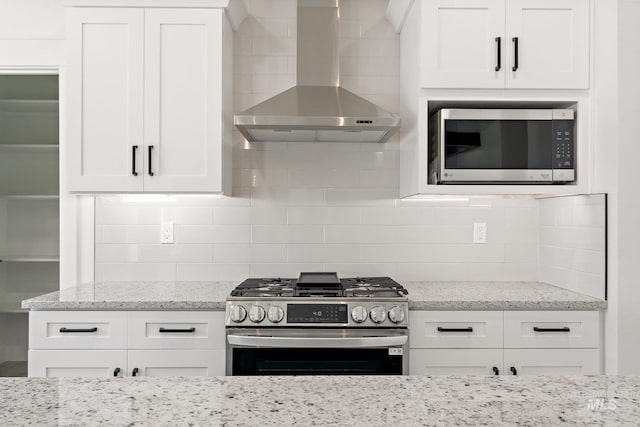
pixel 310 351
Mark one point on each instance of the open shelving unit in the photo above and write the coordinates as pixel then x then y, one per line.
pixel 29 201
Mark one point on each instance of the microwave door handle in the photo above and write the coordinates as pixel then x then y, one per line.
pixel 289 342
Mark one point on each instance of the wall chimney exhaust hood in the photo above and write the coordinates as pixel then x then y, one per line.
pixel 317 109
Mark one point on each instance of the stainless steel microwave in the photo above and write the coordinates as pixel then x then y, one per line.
pixel 529 146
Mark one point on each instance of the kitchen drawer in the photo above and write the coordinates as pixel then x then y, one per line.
pixel 77 363
pixel 555 329
pixel 555 361
pixel 455 329
pixel 183 363
pixel 455 361
pixel 90 330
pixel 176 330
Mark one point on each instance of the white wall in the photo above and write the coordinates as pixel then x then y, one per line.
pixel 628 247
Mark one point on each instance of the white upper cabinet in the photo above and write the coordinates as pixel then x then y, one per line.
pixel 148 94
pixel 525 44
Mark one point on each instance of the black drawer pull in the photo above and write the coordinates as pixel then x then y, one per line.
pixel 515 54
pixel 116 372
pixel 186 330
pixel 134 148
pixel 565 329
pixel 496 371
pixel 513 370
pixel 134 372
pixel 63 330
pixel 498 50
pixel 441 329
pixel 150 148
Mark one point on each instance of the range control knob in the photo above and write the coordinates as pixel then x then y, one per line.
pixel 256 314
pixel 237 313
pixel 378 315
pixel 397 314
pixel 275 314
pixel 359 314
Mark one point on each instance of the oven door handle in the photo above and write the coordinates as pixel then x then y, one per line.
pixel 291 342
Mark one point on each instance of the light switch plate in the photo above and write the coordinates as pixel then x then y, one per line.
pixel 166 232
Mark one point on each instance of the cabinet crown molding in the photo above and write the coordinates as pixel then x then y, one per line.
pixel 236 10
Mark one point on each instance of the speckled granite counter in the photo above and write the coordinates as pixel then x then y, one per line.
pixel 211 296
pixel 497 296
pixel 353 401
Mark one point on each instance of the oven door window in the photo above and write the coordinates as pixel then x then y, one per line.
pixel 498 144
pixel 315 361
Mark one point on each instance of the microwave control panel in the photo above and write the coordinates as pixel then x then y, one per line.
pixel 563 144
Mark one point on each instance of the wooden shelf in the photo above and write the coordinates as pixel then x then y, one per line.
pixel 30 197
pixel 30 105
pixel 30 146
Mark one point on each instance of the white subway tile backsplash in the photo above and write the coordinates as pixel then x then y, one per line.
pixel 323 253
pixel 176 253
pixel 249 253
pixel 212 272
pixel 113 253
pixel 212 233
pixel 334 206
pixel 135 272
pixel 287 234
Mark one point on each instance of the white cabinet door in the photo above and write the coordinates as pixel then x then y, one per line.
pixel 551 329
pixel 104 99
pixel 77 363
pixel 183 100
pixel 176 330
pixel 455 329
pixel 553 43
pixel 552 361
pixel 459 46
pixel 154 363
pixel 455 361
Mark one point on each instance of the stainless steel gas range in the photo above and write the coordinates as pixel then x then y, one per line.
pixel 317 324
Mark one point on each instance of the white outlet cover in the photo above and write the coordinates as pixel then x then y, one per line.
pixel 166 232
pixel 479 232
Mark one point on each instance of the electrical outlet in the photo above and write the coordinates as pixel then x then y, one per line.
pixel 479 232
pixel 166 232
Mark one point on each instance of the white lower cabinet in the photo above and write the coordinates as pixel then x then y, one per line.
pixel 552 361
pixel 440 361
pixel 77 363
pixel 120 343
pixel 183 363
pixel 504 343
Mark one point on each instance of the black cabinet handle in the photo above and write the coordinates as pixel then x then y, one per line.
pixel 150 168
pixel 134 372
pixel 565 329
pixel 186 330
pixel 515 54
pixel 134 149
pixel 496 371
pixel 513 370
pixel 441 329
pixel 63 330
pixel 498 51
pixel 116 372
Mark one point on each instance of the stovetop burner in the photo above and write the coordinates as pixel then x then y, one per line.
pixel 358 287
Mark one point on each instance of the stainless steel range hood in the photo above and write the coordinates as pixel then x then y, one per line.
pixel 317 109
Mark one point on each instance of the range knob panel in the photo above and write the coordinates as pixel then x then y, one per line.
pixel 237 313
pixel 256 314
pixel 397 314
pixel 275 314
pixel 377 314
pixel 359 314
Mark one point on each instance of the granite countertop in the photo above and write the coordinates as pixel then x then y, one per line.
pixel 212 295
pixel 353 401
